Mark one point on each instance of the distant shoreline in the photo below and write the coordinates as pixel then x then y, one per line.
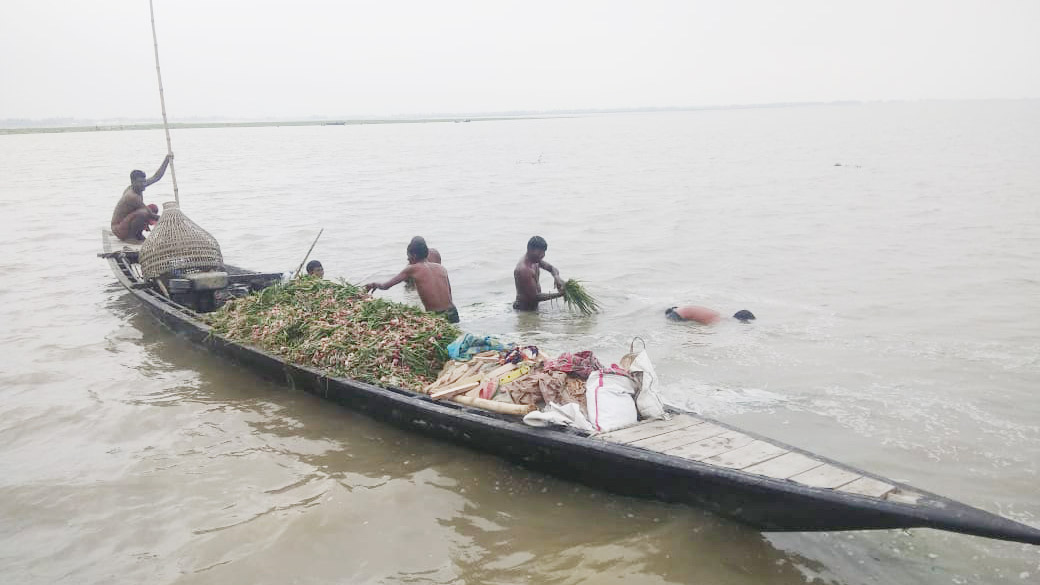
pixel 110 127
pixel 435 118
pixel 31 127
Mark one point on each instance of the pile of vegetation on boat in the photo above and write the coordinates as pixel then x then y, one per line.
pixel 338 328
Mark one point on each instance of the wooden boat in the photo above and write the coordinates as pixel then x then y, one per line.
pixel 690 459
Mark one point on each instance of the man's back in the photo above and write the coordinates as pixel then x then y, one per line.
pixel 130 201
pixel 431 282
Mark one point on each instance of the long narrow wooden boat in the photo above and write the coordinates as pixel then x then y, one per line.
pixel 689 459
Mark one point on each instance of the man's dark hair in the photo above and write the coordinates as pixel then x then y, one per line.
pixel 744 315
pixel 537 243
pixel 312 266
pixel 137 175
pixel 671 314
pixel 417 248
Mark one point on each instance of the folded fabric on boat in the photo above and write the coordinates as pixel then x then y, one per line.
pixel 579 364
pixel 468 345
pixel 559 414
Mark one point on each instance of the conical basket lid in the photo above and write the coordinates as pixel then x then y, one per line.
pixel 177 243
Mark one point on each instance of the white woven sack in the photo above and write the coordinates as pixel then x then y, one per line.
pixel 648 400
pixel 610 401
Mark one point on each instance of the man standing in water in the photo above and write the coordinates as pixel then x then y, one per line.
pixel 431 281
pixel 131 215
pixel 527 273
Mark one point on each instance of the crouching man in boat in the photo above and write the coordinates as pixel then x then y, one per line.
pixel 431 281
pixel 527 275
pixel 704 315
pixel 131 216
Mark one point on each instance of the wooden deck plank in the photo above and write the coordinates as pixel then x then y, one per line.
pixel 651 429
pixel 671 439
pixel 727 441
pixel 825 476
pixel 867 486
pixel 785 466
pixel 110 243
pixel 746 456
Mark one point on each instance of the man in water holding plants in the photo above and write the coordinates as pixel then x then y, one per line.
pixel 527 273
pixel 431 281
pixel 131 215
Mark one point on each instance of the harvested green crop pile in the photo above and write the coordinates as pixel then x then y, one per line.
pixel 576 297
pixel 339 329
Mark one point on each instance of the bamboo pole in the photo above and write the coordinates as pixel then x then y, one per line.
pixel 162 103
pixel 309 250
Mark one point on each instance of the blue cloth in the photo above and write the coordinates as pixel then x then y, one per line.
pixel 468 345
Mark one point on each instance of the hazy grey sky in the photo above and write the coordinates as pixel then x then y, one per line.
pixel 260 58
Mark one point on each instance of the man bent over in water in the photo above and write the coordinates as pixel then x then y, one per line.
pixel 431 282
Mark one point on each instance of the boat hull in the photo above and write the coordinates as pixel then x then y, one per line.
pixel 758 501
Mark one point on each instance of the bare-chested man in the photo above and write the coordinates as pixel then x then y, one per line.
pixel 431 281
pixel 131 215
pixel 704 315
pixel 527 274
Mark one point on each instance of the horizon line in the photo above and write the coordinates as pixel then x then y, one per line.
pixel 25 125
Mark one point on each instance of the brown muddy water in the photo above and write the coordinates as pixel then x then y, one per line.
pixel 889 251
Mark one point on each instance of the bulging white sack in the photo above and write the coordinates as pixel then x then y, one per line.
pixel 610 401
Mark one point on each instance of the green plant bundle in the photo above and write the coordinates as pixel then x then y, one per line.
pixel 576 297
pixel 340 330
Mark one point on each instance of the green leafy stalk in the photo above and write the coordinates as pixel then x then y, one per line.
pixel 577 298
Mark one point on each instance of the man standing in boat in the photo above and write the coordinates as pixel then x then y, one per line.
pixel 527 274
pixel 131 215
pixel 431 281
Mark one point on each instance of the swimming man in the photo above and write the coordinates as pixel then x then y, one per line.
pixel 704 315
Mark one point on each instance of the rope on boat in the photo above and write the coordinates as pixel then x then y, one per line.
pixel 162 102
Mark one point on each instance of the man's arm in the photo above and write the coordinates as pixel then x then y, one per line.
pixel 401 277
pixel 159 173
pixel 555 274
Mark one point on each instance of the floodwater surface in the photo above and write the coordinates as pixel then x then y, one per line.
pixel 890 252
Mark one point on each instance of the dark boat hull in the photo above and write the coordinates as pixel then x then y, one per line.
pixel 761 502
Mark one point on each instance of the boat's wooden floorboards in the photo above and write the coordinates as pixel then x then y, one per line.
pixel 692 438
pixel 651 429
pixel 672 439
pixel 785 466
pixel 110 243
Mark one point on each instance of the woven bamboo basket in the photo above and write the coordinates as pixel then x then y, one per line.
pixel 178 244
